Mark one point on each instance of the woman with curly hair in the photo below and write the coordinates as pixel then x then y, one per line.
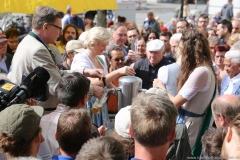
pixel 196 82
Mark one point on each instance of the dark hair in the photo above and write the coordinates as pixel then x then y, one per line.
pixel 114 48
pixel 203 15
pixel 226 23
pixel 183 20
pixel 133 28
pixel 62 38
pixel 149 32
pixel 222 48
pixel 12 32
pixel 141 37
pixel 121 19
pixel 15 146
pixel 72 88
pixel 73 129
pixel 166 34
pixel 102 148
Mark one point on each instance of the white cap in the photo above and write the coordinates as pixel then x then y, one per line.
pixel 158 91
pixel 74 45
pixel 155 45
pixel 83 36
pixel 122 122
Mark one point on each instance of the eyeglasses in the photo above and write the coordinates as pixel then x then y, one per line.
pixel 56 26
pixel 118 59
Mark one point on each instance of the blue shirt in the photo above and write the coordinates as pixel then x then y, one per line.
pixel 59 157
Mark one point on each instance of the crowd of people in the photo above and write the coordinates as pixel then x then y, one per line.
pixel 191 73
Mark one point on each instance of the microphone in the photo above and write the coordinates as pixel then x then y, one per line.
pixel 34 84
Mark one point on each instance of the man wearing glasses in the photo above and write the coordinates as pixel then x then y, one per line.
pixel 116 61
pixel 33 51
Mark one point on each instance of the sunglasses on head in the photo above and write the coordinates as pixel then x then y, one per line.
pixel 118 59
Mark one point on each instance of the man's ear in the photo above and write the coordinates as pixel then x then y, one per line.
pixel 130 131
pixel 45 26
pixel 229 135
pixel 55 135
pixel 173 134
pixel 39 138
pixel 222 120
pixel 109 60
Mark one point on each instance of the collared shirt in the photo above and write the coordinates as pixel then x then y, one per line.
pixel 147 72
pixel 231 82
pixel 40 38
pixel 3 64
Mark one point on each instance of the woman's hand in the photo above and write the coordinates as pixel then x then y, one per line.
pixel 158 83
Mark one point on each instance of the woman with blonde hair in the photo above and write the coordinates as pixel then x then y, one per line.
pixel 196 82
pixel 96 41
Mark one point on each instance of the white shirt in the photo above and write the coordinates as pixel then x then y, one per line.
pixel 231 82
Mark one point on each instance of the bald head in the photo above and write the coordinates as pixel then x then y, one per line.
pixel 235 26
pixel 226 106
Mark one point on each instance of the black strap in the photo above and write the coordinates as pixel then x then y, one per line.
pixel 37 38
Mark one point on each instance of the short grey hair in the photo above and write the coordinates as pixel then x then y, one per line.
pixel 97 34
pixel 175 37
pixel 234 55
pixel 213 39
pixel 45 14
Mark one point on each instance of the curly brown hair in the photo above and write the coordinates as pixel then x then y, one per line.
pixel 195 52
pixel 14 146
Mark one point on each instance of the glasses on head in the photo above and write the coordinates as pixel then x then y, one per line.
pixel 130 29
pixel 60 28
pixel 118 59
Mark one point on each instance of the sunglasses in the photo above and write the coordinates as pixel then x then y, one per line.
pixel 118 59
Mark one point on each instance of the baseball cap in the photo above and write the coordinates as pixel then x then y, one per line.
pixel 2 38
pixel 74 45
pixel 21 120
pixel 155 45
pixel 122 122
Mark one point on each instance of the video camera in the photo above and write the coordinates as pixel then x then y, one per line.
pixel 34 85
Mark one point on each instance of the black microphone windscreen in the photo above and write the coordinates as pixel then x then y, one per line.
pixel 36 81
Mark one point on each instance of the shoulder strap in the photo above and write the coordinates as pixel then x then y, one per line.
pixel 100 59
pixel 196 151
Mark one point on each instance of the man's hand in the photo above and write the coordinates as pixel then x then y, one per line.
pixel 98 91
pixel 94 73
pixel 129 71
pixel 132 56
pixel 158 83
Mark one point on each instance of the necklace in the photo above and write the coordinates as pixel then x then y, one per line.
pixel 92 59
